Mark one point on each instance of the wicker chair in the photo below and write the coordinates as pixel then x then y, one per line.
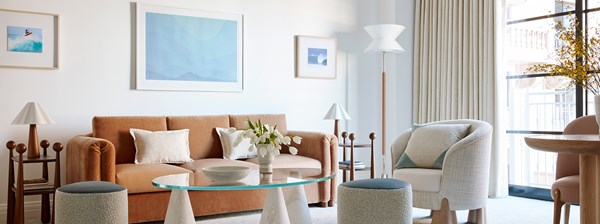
pixel 565 190
pixel 461 184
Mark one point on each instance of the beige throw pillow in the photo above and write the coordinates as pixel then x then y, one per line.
pixel 244 150
pixel 161 146
pixel 428 145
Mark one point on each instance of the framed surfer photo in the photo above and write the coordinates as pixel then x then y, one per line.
pixel 28 39
pixel 315 57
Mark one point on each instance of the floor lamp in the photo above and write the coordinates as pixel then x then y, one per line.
pixel 384 41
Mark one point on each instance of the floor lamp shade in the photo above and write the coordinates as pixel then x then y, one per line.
pixel 33 114
pixel 384 38
pixel 337 113
pixel 384 41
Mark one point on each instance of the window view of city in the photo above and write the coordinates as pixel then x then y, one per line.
pixel 538 103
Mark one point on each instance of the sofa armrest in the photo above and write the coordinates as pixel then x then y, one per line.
pixel 90 159
pixel 319 146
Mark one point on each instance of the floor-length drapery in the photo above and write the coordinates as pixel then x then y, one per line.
pixel 455 68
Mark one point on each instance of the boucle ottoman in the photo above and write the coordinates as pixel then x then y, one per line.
pixel 91 202
pixel 374 201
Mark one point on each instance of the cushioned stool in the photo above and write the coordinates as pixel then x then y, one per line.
pixel 374 201
pixel 91 202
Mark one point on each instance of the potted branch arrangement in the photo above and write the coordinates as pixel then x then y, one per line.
pixel 576 58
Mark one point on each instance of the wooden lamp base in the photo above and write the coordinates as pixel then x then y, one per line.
pixel 33 150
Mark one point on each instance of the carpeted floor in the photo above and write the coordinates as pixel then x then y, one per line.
pixel 509 210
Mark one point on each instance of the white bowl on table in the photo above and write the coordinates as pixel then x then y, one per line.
pixel 226 173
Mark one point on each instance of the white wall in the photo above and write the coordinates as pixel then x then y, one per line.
pixel 96 68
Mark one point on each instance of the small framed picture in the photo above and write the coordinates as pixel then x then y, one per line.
pixel 28 39
pixel 316 57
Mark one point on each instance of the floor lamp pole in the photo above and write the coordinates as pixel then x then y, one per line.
pixel 383 172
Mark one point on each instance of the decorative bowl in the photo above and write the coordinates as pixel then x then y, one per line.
pixel 226 173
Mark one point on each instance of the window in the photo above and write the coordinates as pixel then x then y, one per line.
pixel 539 103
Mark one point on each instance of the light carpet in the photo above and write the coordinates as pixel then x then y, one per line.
pixel 509 210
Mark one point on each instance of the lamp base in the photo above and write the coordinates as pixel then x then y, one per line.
pixel 33 150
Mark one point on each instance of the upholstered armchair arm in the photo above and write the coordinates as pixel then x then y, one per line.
pixel 90 159
pixel 319 146
pixel 466 166
pixel 399 146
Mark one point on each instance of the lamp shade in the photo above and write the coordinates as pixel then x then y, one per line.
pixel 336 112
pixel 33 113
pixel 384 38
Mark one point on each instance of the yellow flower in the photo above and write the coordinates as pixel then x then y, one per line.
pixel 575 57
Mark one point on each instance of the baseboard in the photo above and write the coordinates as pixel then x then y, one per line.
pixel 33 210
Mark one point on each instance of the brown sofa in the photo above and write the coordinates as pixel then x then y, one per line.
pixel 108 153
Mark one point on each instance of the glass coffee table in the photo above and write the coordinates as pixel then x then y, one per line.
pixel 291 207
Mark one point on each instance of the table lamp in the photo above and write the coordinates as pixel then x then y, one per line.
pixel 384 41
pixel 337 113
pixel 33 114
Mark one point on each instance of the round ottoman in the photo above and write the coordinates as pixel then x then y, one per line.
pixel 91 202
pixel 374 201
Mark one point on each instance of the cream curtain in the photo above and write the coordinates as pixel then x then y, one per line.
pixel 455 64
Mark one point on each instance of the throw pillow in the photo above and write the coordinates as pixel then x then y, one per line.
pixel 428 145
pixel 161 146
pixel 244 150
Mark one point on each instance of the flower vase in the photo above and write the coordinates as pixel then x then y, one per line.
pixel 597 104
pixel 265 162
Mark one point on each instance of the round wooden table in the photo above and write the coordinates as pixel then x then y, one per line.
pixel 588 148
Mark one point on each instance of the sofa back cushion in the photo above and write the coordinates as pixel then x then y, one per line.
pixel 116 130
pixel 204 141
pixel 241 121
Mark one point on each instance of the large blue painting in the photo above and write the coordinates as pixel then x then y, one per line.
pixel 189 50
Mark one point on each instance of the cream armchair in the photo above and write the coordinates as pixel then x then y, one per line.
pixel 461 184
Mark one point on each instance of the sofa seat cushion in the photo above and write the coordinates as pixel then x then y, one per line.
pixel 421 179
pixel 137 178
pixel 294 161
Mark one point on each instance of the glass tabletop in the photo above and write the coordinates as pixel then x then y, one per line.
pixel 254 180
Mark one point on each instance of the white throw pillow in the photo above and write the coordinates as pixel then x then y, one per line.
pixel 428 145
pixel 229 151
pixel 161 146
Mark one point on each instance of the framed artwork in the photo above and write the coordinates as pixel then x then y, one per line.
pixel 316 57
pixel 188 50
pixel 28 39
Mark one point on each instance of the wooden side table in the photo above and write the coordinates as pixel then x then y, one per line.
pixel 351 169
pixel 38 186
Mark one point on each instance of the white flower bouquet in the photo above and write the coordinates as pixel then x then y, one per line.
pixel 267 139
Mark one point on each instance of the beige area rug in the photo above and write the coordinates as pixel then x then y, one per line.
pixel 509 210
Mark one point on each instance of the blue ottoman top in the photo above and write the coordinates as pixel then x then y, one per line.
pixel 377 183
pixel 88 187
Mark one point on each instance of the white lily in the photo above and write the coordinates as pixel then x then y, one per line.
pixel 286 140
pixel 297 139
pixel 293 150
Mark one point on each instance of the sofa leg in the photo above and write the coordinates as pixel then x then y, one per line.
pixel 444 215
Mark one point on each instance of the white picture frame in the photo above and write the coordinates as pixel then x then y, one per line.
pixel 316 57
pixel 188 49
pixel 28 39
